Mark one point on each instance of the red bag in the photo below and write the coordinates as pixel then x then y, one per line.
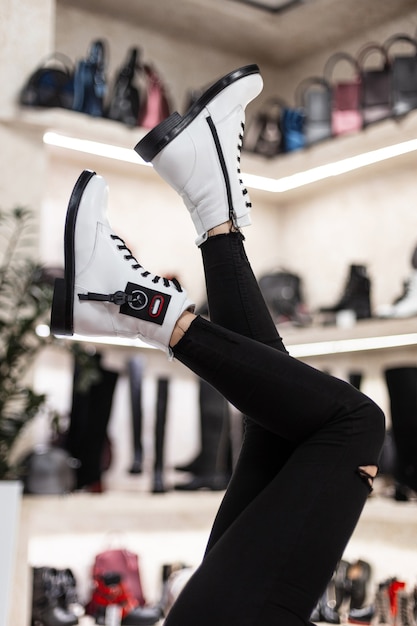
pixel 124 563
pixel 157 106
pixel 346 96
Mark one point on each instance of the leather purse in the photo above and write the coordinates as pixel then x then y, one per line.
pixel 376 84
pixel 264 135
pixel 404 75
pixel 283 295
pixel 157 105
pixel 128 92
pixel 126 564
pixel 346 95
pixel 51 84
pixel 314 96
pixel 90 83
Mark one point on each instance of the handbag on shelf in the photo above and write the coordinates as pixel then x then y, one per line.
pixel 404 75
pixel 157 105
pixel 90 83
pixel 48 470
pixel 314 96
pixel 128 92
pixel 346 95
pixel 264 135
pixel 124 563
pixel 51 84
pixel 376 84
pixel 283 295
pixel 292 127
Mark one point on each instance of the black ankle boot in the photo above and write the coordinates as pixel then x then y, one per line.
pixel 46 610
pixel 358 575
pixel 356 296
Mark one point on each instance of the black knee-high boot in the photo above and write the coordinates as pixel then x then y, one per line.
pixel 160 421
pixel 212 470
pixel 135 369
pixel 402 388
pixel 90 414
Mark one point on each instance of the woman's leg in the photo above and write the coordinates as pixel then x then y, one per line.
pixel 277 556
pixel 275 559
pixel 236 302
pixel 234 298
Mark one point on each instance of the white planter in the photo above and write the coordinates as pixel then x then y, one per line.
pixel 10 499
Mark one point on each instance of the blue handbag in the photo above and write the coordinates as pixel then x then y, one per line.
pixel 90 84
pixel 292 127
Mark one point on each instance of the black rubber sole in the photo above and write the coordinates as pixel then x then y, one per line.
pixel 62 312
pixel 172 126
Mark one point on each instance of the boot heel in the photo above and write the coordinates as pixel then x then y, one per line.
pixel 61 322
pixel 158 137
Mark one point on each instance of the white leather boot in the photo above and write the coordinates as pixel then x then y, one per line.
pixel 106 292
pixel 406 305
pixel 198 154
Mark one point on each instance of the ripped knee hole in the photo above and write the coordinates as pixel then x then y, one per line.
pixel 367 474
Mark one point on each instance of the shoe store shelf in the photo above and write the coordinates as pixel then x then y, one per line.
pixel 75 125
pixel 281 172
pixel 363 336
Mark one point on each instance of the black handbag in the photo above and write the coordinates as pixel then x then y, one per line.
pixel 404 75
pixel 376 84
pixel 264 135
pixel 90 83
pixel 48 470
pixel 51 84
pixel 128 94
pixel 283 295
pixel 314 96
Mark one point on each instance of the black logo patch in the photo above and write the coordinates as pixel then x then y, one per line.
pixel 146 304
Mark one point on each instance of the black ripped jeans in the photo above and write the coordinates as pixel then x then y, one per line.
pixel 296 493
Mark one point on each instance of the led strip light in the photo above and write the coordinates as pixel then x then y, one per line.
pixel 253 181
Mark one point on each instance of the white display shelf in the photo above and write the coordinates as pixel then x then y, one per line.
pixel 376 137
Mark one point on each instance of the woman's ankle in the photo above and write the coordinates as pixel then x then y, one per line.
pixel 222 229
pixel 182 325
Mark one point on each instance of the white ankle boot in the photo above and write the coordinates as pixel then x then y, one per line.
pixel 406 305
pixel 199 154
pixel 106 292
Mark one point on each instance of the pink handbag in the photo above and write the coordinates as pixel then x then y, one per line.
pixel 346 96
pixel 157 106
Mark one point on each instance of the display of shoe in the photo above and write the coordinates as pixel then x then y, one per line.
pixel 211 482
pixel 110 590
pixel 382 614
pixel 328 606
pixel 106 292
pixel 405 305
pixel 364 615
pixel 46 592
pixel 356 294
pixel 405 609
pixel 198 154
pixel 358 575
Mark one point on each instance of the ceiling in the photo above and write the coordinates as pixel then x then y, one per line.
pixel 277 38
